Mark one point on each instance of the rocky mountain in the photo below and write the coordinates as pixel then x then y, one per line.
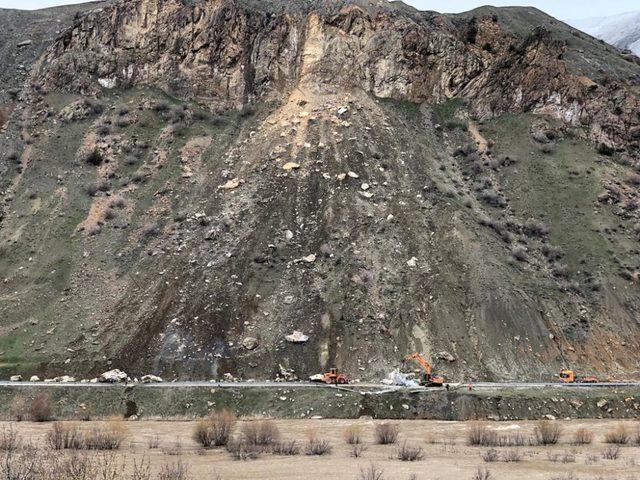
pixel 623 30
pixel 187 184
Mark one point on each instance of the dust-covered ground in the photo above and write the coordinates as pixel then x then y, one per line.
pixel 444 447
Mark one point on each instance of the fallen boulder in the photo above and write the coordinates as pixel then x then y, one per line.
pixel 446 356
pixel 250 343
pixel 297 337
pixel 16 378
pixel 113 376
pixel 151 379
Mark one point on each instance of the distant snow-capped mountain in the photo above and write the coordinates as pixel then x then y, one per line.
pixel 622 30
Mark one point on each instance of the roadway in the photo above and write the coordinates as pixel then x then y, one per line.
pixel 295 385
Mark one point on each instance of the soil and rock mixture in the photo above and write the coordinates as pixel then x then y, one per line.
pixel 185 184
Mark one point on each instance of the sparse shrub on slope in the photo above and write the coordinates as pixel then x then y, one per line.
pixel 547 432
pixel 261 432
pixel 41 409
pixel 216 429
pixel 582 436
pixel 372 472
pixel 386 433
pixel 619 435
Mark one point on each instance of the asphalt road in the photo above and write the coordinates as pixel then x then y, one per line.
pixel 355 386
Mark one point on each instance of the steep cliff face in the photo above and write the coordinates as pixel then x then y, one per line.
pixel 229 53
pixel 197 180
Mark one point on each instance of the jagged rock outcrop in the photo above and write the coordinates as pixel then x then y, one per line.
pixel 228 53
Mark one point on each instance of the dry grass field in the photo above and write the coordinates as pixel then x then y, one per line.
pixel 320 449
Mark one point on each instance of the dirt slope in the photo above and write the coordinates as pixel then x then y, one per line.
pixel 194 181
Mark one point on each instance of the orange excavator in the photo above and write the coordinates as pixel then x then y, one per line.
pixel 569 376
pixel 430 380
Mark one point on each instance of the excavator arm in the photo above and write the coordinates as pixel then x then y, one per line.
pixel 420 361
pixel 430 380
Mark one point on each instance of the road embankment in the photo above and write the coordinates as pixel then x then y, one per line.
pixel 180 402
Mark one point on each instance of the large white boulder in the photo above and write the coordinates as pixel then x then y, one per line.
pixel 151 379
pixel 297 337
pixel 113 376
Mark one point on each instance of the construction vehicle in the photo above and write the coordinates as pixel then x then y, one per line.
pixel 430 380
pixel 333 377
pixel 569 376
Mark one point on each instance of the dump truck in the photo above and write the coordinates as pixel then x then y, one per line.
pixel 569 376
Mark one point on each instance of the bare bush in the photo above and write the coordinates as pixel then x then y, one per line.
pixel 519 253
pixel 10 441
pixel 18 465
pixel 535 228
pixel 633 179
pixel 514 440
pixel 547 433
pixel 353 434
pixel 410 453
pixel 357 450
pixel 153 442
pixel 512 456
pixel 141 470
pixel 174 471
pixel 109 437
pixel 317 446
pixel 18 409
pixel 261 432
pixel 215 430
pixel 563 457
pixel 241 450
pixel 582 436
pixel 103 129
pixel 565 476
pixel 93 105
pixel 93 230
pixel 74 466
pixel 386 433
pixel 41 409
pixel 482 474
pixel 618 436
pixel 117 202
pixel 161 106
pixel 591 459
pixel 552 253
pixel 612 452
pixel 289 448
pixel 122 110
pixel 62 437
pixel 493 198
pixel 175 449
pixel 372 472
pixel 548 148
pixel 491 455
pixel 456 124
pixel 479 435
pixel 93 157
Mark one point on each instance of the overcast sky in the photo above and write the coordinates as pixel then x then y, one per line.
pixel 563 9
